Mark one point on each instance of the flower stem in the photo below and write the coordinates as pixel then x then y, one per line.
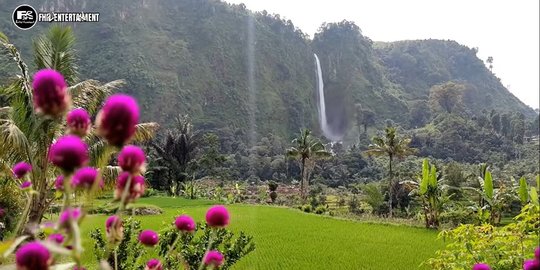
pixel 210 242
pixel 22 220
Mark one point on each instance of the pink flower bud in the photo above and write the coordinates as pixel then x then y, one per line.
pixel 50 95
pixel 481 266
pixel 69 152
pixel 153 264
pixel 85 178
pixel 33 256
pixel 136 188
pixel 117 120
pixel 74 213
pixel 217 216
pixel 131 159
pixel 149 238
pixel 21 169
pixel 114 229
pixel 213 258
pixel 185 223
pixel 26 185
pixel 59 183
pixel 531 265
pixel 78 122
pixel 56 238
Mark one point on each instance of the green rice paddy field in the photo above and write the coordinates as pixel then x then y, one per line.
pixel 290 239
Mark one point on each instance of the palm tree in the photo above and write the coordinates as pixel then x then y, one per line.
pixel 393 147
pixel 26 136
pixel 307 150
pixel 177 151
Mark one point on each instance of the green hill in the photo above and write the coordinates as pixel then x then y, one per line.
pixel 197 57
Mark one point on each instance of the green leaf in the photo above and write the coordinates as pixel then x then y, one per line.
pixel 488 185
pixel 425 177
pixel 433 177
pixel 534 196
pixel 523 190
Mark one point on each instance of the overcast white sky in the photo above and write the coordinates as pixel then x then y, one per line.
pixel 508 30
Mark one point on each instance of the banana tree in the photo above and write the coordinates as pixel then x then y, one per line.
pixel 429 188
pixel 26 136
pixel 525 193
pixel 492 201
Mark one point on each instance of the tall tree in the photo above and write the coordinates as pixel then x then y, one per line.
pixel 496 122
pixel 490 63
pixel 518 127
pixel 506 126
pixel 177 150
pixel 307 150
pixel 26 136
pixel 391 146
pixel 420 114
pixel 446 96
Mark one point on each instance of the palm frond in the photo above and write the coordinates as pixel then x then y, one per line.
pixel 90 94
pixel 13 142
pixel 145 132
pixel 55 50
pixel 110 174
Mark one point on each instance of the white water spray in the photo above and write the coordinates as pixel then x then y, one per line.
pixel 326 129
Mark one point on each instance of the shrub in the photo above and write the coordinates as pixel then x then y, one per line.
pixel 272 186
pixel 307 208
pixel 273 196
pixel 11 205
pixel 128 250
pixel 501 247
pixel 150 192
pixel 320 210
pixel 191 247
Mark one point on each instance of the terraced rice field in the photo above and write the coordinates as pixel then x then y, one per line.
pixel 290 239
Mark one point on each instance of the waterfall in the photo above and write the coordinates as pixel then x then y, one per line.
pixel 326 129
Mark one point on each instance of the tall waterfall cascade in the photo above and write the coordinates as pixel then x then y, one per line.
pixel 325 127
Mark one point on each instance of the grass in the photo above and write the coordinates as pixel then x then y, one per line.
pixel 290 239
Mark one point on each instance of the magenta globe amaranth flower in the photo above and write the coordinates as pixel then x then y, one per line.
pixel 149 238
pixel 131 159
pixel 59 183
pixel 537 253
pixel 153 264
pixel 78 122
pixel 213 258
pixel 217 216
pixel 33 256
pixel 85 178
pixel 481 266
pixel 117 120
pixel 114 229
pixel 56 238
pixel 26 185
pixel 21 169
pixel 136 187
pixel 68 152
pixel 71 213
pixel 185 223
pixel 533 264
pixel 50 95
